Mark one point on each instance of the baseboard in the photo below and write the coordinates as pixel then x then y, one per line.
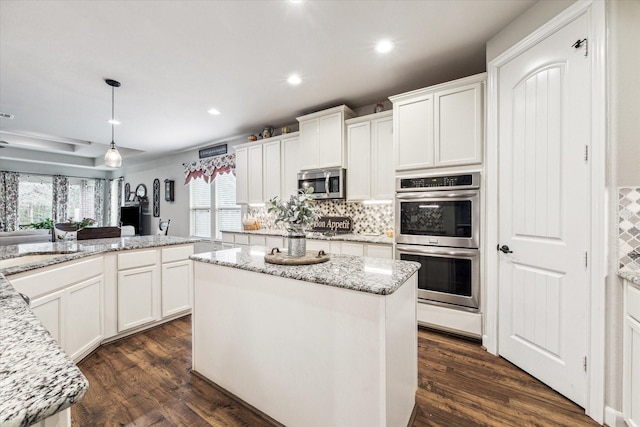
pixel 613 418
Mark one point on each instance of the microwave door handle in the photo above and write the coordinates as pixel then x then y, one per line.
pixel 437 251
pixel 326 183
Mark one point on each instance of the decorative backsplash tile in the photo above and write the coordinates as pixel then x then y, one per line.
pixel 366 218
pixel 629 228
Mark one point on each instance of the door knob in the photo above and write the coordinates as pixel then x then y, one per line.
pixel 505 249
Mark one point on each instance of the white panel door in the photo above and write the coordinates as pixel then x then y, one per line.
pixel 544 283
pixel 359 161
pixel 271 170
pixel 50 310
pixel 309 144
pixel 242 175
pixel 331 148
pixel 138 297
pixel 85 321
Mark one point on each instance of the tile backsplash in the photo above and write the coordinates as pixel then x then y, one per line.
pixel 376 218
pixel 629 228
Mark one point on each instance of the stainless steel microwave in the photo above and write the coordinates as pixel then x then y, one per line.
pixel 326 183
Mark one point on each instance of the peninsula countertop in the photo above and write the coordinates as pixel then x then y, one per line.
pixel 364 274
pixel 75 249
pixel 37 378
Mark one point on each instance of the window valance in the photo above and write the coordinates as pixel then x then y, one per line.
pixel 209 168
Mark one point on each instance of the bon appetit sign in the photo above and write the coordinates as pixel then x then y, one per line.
pixel 339 224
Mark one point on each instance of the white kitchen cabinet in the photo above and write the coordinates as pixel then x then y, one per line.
pixel 240 240
pixel 350 248
pixel 275 242
pixel 439 126
pixel 84 317
pixel 139 297
pixel 49 309
pixel 322 138
pixel 631 356
pixel 272 170
pixel 256 193
pixel 177 280
pixel 379 251
pixel 326 245
pixel 257 240
pixel 370 171
pixel 61 419
pixel 242 175
pixel 290 163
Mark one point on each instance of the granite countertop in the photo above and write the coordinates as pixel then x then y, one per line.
pixel 364 274
pixel 380 239
pixel 630 275
pixel 75 249
pixel 37 378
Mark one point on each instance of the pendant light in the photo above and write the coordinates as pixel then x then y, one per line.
pixel 112 159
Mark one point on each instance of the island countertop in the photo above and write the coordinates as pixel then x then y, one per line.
pixel 364 274
pixel 75 249
pixel 37 378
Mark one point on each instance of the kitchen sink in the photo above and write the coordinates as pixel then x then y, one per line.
pixel 26 259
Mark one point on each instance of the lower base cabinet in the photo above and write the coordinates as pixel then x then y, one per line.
pixel 176 287
pixel 84 311
pixel 61 419
pixel 631 364
pixel 138 297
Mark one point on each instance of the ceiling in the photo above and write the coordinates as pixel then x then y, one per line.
pixel 178 59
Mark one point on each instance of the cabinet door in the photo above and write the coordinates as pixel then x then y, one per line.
pixel 255 174
pixel 50 310
pixel 257 240
pixel 274 242
pixel 458 125
pixel 349 248
pixel 317 245
pixel 359 161
pixel 380 251
pixel 271 170
pixel 290 166
pixel 242 175
pixel 177 280
pixel 413 133
pixel 631 388
pixel 138 297
pixel 309 144
pixel 331 147
pixel 383 174
pixel 85 321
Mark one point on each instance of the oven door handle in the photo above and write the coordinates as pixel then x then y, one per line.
pixel 437 251
pixel 436 195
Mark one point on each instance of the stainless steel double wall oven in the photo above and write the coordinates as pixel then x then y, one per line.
pixel 438 225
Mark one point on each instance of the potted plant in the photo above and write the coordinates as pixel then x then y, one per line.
pixel 296 213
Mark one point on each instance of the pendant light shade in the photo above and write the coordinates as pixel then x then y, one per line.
pixel 112 158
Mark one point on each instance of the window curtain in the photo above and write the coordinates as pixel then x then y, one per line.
pixel 98 201
pixel 209 168
pixel 9 201
pixel 114 201
pixel 60 198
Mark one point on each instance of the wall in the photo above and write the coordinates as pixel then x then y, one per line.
pixel 525 24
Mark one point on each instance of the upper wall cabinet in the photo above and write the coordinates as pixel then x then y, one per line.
pixel 322 138
pixel 290 162
pixel 440 125
pixel 249 173
pixel 370 170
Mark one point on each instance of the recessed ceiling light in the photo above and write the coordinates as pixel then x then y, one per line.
pixel 213 112
pixel 294 80
pixel 113 122
pixel 384 46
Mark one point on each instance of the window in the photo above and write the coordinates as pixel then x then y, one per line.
pixel 200 208
pixel 81 199
pixel 35 199
pixel 227 212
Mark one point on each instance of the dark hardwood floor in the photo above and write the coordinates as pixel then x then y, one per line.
pixel 144 380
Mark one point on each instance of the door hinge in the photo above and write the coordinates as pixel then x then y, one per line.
pixel 586 259
pixel 586 153
pixel 584 363
pixel 578 44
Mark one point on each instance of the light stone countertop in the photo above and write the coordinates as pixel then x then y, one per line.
pixel 380 239
pixel 75 249
pixel 363 274
pixel 630 276
pixel 37 378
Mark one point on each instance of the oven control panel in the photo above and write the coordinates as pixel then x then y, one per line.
pixel 443 182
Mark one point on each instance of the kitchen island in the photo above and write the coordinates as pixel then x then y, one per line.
pixel 326 344
pixel 73 287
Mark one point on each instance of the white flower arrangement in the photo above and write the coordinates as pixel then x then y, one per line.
pixel 297 212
